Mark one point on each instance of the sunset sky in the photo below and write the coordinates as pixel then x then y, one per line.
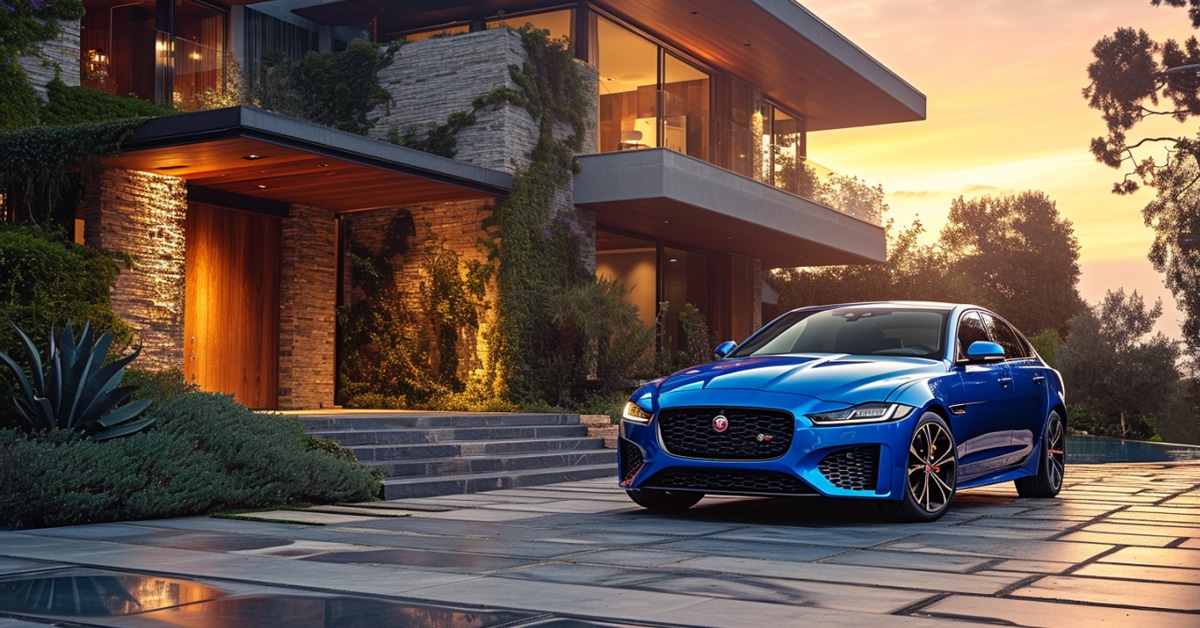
pixel 1003 79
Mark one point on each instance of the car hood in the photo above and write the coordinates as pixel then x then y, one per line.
pixel 837 378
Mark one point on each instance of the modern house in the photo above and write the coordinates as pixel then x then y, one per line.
pixel 240 219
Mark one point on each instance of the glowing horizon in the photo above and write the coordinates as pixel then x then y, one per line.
pixel 1003 80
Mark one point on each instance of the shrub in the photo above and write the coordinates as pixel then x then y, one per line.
pixel 158 386
pixel 74 389
pixel 47 280
pixel 1082 419
pixel 78 105
pixel 204 453
pixel 266 456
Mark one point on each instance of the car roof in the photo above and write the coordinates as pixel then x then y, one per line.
pixel 923 305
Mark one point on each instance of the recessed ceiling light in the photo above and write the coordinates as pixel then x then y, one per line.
pixel 254 157
pixel 262 187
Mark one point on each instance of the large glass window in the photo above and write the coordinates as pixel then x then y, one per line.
pixel 199 52
pixel 267 35
pixel 122 51
pixel 685 280
pixel 633 262
pixel 685 108
pixel 783 150
pixel 648 96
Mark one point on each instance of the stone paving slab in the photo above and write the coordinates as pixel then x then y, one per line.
pixel 1120 546
pixel 1171 596
pixel 960 608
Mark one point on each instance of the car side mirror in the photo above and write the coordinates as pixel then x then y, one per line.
pixel 984 351
pixel 724 349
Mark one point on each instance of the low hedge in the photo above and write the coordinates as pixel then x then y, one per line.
pixel 204 453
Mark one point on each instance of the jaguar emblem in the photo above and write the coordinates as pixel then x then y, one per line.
pixel 720 423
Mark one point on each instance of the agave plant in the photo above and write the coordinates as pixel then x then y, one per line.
pixel 75 390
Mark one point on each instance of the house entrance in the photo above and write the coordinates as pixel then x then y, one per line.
pixel 231 312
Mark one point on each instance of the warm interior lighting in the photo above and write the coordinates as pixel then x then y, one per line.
pixel 252 157
pixel 262 187
pixel 195 56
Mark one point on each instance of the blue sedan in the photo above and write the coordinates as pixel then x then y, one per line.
pixel 904 403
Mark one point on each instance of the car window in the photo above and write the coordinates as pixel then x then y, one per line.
pixel 970 329
pixel 873 330
pixel 1006 337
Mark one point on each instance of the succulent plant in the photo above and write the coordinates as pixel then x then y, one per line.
pixel 74 389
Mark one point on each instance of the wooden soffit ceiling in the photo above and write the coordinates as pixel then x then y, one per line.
pixel 254 153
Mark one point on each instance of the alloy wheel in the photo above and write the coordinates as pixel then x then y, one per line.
pixel 932 468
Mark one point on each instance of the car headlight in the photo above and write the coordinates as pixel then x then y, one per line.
pixel 634 412
pixel 865 413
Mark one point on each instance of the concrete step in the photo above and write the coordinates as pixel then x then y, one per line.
pixel 367 453
pixel 386 421
pixel 403 488
pixel 495 464
pixel 404 436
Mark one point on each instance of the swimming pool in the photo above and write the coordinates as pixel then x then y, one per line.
pixel 1098 450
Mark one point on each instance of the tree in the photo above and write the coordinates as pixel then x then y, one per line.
pixel 1018 256
pixel 1111 363
pixel 1015 254
pixel 912 272
pixel 1131 77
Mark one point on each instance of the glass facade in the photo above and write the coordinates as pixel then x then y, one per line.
pixel 160 51
pixel 649 97
pixel 783 150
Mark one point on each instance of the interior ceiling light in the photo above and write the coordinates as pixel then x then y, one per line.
pixel 261 186
pixel 252 157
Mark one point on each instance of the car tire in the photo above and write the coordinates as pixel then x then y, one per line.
pixel 667 501
pixel 1051 467
pixel 931 473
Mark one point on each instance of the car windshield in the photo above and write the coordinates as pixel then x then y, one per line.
pixel 860 330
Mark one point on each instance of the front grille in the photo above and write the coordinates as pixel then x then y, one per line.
pixel 631 459
pixel 729 481
pixel 854 469
pixel 752 434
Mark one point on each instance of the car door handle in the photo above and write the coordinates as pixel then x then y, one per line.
pixel 1039 379
pixel 1005 381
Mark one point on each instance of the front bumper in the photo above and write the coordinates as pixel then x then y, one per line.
pixel 860 461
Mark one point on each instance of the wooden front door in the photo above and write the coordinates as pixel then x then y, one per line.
pixel 231 313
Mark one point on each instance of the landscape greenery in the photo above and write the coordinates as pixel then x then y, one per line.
pixel 557 336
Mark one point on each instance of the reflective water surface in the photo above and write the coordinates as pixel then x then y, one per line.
pixel 109 598
pixel 88 593
pixel 1097 450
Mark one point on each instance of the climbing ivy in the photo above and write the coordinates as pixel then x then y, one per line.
pixel 540 251
pixel 43 168
pixel 336 89
pixel 557 335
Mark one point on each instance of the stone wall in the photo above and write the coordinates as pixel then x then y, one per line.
pixel 436 77
pixel 60 55
pixel 307 309
pixel 142 214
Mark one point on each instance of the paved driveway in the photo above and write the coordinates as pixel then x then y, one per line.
pixel 1121 546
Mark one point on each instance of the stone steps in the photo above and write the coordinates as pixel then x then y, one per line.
pixel 429 454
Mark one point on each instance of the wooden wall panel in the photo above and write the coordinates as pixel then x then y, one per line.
pixel 231 314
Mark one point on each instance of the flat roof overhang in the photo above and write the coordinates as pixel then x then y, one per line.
pixel 674 198
pixel 256 153
pixel 778 45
